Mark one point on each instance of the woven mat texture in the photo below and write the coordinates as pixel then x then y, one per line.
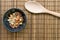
pixel 39 26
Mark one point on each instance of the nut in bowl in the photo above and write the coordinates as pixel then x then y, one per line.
pixel 14 20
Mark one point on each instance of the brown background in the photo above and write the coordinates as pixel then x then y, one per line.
pixel 39 26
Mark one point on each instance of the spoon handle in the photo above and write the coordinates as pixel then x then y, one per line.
pixel 54 13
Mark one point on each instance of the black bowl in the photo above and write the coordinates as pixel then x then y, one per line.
pixel 6 23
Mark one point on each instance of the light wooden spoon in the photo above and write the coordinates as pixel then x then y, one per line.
pixel 36 7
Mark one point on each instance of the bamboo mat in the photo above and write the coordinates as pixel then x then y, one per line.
pixel 39 26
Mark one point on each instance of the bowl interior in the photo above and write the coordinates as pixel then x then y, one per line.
pixel 6 23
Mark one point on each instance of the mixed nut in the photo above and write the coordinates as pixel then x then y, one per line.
pixel 15 19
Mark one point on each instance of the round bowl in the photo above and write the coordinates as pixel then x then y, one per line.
pixel 6 23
